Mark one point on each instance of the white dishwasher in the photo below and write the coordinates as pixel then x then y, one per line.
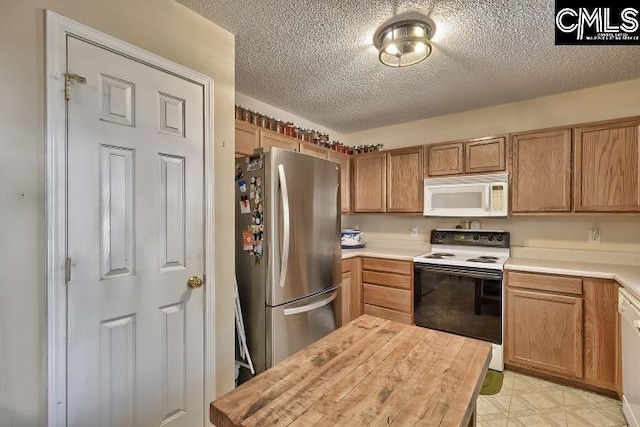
pixel 629 308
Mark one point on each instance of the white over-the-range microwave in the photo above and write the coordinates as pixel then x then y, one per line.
pixel 467 196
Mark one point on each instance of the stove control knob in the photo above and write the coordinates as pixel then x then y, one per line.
pixel 499 237
pixel 476 237
pixel 490 237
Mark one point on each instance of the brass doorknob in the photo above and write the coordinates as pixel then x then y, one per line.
pixel 194 282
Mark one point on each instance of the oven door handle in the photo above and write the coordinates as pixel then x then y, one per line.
pixel 487 275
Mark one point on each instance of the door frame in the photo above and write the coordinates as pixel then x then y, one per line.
pixel 58 28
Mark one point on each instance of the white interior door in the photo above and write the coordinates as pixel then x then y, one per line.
pixel 135 236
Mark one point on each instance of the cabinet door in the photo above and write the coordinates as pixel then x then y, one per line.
pixel 369 182
pixel 405 186
pixel 313 150
pixel 352 266
pixel 445 159
pixel 601 334
pixel 246 138
pixel 486 155
pixel 606 168
pixel 541 172
pixel 345 179
pixel 344 299
pixel 544 332
pixel 272 139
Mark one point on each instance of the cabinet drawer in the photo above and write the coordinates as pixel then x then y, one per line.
pixel 387 279
pixel 395 299
pixel 385 313
pixel 387 265
pixel 542 282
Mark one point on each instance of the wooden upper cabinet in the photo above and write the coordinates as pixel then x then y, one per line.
pixel 602 335
pixel 369 182
pixel 246 138
pixel 606 167
pixel 445 159
pixel 272 139
pixel 485 155
pixel 405 180
pixel 541 171
pixel 313 150
pixel 345 178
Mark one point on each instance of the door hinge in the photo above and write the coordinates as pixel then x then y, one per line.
pixel 67 270
pixel 68 78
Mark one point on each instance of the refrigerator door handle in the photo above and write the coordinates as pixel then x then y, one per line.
pixel 286 222
pixel 309 307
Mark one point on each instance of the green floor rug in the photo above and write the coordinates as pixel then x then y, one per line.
pixel 492 383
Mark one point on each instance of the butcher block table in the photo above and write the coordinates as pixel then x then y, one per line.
pixel 370 372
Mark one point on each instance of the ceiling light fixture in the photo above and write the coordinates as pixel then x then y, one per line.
pixel 403 43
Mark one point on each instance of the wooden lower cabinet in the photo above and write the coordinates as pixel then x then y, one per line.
pixel 564 326
pixel 388 289
pixel 544 331
pixel 385 313
pixel 344 296
pixel 350 298
pixel 602 335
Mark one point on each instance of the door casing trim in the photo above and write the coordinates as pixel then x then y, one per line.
pixel 58 28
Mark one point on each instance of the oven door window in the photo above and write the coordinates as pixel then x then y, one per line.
pixel 460 305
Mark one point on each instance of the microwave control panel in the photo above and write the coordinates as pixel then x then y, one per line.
pixel 497 197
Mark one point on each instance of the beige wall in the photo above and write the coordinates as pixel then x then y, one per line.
pixel 163 27
pixel 619 234
pixel 598 103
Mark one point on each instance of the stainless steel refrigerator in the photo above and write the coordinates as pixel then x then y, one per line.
pixel 287 251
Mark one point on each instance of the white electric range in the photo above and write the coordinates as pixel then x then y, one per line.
pixel 458 286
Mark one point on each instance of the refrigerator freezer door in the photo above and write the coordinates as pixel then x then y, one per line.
pixel 291 327
pixel 302 225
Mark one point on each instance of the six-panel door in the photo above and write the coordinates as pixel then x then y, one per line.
pixel 135 236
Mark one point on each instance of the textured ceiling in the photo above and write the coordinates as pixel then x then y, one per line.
pixel 315 58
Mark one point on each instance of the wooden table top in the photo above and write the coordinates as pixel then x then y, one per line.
pixel 370 372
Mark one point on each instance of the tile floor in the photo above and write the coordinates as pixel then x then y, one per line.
pixel 532 402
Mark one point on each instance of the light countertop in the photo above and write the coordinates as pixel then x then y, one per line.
pixel 627 275
pixel 401 254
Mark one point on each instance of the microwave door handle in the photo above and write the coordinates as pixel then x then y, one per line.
pixel 487 199
pixel 286 223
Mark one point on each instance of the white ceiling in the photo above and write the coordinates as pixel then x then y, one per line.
pixel 315 58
